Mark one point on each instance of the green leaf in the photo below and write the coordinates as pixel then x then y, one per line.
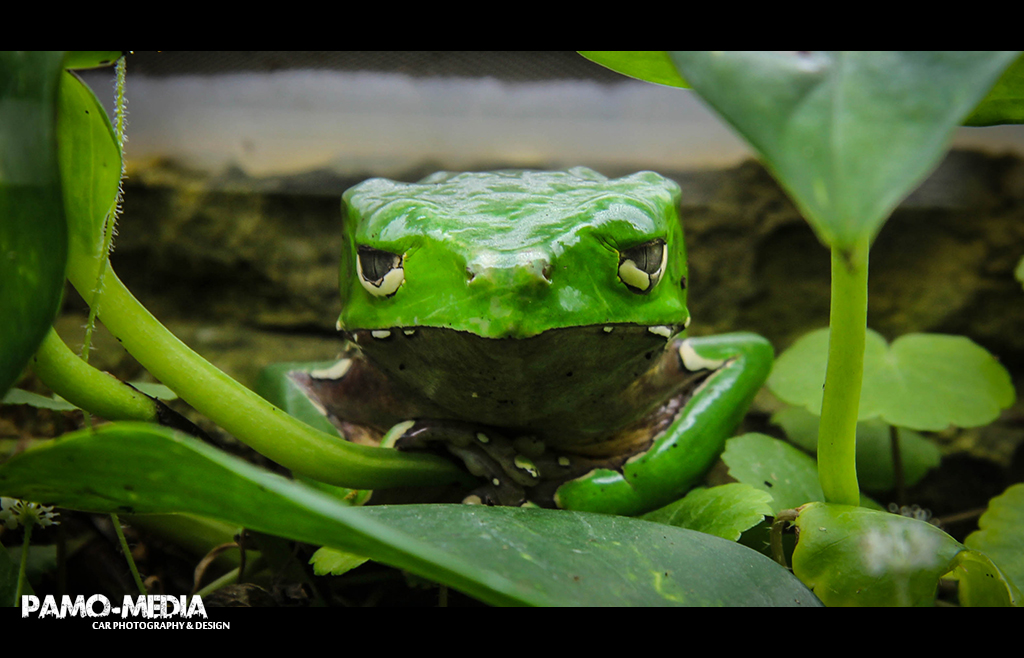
pixel 1004 102
pixel 19 396
pixel 509 556
pixel 847 134
pixel 90 166
pixel 91 59
pixel 852 556
pixel 154 390
pixel 648 65
pixel 726 511
pixel 33 234
pixel 982 583
pixel 874 448
pixel 276 387
pixel 331 561
pixel 775 467
pixel 921 381
pixel 1001 533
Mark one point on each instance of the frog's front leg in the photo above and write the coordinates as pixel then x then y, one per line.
pixel 680 455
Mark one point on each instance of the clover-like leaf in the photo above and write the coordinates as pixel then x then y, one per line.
pixel 1001 533
pixel 766 463
pixel 874 448
pixel 847 134
pixel 334 562
pixel 921 381
pixel 726 511
pixel 853 556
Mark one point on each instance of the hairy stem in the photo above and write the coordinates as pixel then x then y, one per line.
pixel 837 436
pixel 248 416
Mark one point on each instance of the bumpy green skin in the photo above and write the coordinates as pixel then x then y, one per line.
pixel 477 247
pixel 513 318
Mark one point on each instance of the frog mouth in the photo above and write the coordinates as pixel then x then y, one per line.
pixel 579 374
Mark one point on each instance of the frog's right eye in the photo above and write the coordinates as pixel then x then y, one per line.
pixel 380 272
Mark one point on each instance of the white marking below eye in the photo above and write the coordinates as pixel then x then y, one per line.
pixel 661 331
pixel 337 371
pixel 338 325
pixel 632 275
pixel 408 332
pixel 686 323
pixel 608 330
pixel 383 333
pixel 693 361
pixel 389 283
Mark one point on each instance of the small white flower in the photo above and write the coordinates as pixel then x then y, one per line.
pixel 14 512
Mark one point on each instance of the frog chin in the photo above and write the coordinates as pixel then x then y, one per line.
pixel 583 380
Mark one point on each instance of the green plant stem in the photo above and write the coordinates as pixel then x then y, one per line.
pixel 837 434
pixel 245 414
pixel 128 554
pixel 23 566
pixel 76 381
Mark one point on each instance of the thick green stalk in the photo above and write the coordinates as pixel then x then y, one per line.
pixel 837 436
pixel 246 415
pixel 76 381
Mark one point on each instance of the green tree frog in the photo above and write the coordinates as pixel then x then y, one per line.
pixel 532 325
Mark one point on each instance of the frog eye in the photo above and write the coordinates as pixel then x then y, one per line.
pixel 380 272
pixel 641 267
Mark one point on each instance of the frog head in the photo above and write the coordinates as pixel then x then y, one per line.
pixel 512 254
pixel 488 293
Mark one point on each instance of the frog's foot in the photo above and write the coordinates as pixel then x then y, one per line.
pixel 517 470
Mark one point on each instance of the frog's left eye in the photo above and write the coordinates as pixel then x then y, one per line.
pixel 380 272
pixel 641 267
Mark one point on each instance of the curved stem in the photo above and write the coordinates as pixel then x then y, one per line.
pixel 76 381
pixel 837 434
pixel 245 414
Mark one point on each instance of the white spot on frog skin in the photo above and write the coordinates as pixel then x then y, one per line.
pixel 472 499
pixel 482 438
pixel 408 332
pixel 661 331
pixel 525 464
pixel 381 333
pixel 496 482
pixel 395 433
pixel 337 371
pixel 693 361
pixel 608 330
pixel 563 461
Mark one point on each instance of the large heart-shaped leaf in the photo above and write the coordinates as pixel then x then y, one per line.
pixel 33 234
pixel 847 134
pixel 921 381
pixel 499 555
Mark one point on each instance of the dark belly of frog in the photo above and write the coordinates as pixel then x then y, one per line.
pixel 524 428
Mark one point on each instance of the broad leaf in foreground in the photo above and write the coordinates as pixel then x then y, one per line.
pixel 509 556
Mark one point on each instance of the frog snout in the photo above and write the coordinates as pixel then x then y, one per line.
pixel 520 271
